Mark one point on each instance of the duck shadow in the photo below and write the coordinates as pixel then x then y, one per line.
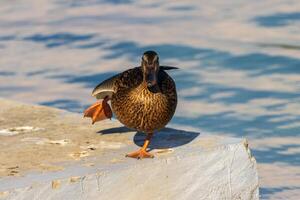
pixel 163 139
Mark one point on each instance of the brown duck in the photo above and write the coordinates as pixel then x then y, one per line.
pixel 143 98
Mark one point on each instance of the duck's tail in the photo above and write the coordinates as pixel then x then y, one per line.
pixel 99 111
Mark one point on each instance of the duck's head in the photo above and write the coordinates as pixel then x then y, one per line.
pixel 150 66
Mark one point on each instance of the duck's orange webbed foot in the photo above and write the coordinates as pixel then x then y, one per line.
pixel 140 154
pixel 99 111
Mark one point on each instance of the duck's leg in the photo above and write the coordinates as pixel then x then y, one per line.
pixel 99 111
pixel 142 152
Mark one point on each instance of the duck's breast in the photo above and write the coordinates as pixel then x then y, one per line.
pixel 145 110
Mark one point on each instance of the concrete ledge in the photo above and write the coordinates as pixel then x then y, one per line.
pixel 47 153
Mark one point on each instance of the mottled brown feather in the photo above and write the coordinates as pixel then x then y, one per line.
pixel 137 107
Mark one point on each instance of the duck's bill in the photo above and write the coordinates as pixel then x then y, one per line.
pixel 151 79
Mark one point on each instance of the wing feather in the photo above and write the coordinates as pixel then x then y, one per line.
pixel 105 88
pixel 168 67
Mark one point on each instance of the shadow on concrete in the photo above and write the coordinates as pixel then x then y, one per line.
pixel 165 138
pixel 121 129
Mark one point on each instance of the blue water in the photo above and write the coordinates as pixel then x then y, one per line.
pixel 239 70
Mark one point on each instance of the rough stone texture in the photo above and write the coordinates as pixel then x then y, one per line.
pixel 47 153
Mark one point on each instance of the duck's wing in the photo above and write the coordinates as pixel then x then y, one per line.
pixel 168 67
pixel 122 81
pixel 105 88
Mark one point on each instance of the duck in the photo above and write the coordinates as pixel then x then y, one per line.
pixel 143 98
